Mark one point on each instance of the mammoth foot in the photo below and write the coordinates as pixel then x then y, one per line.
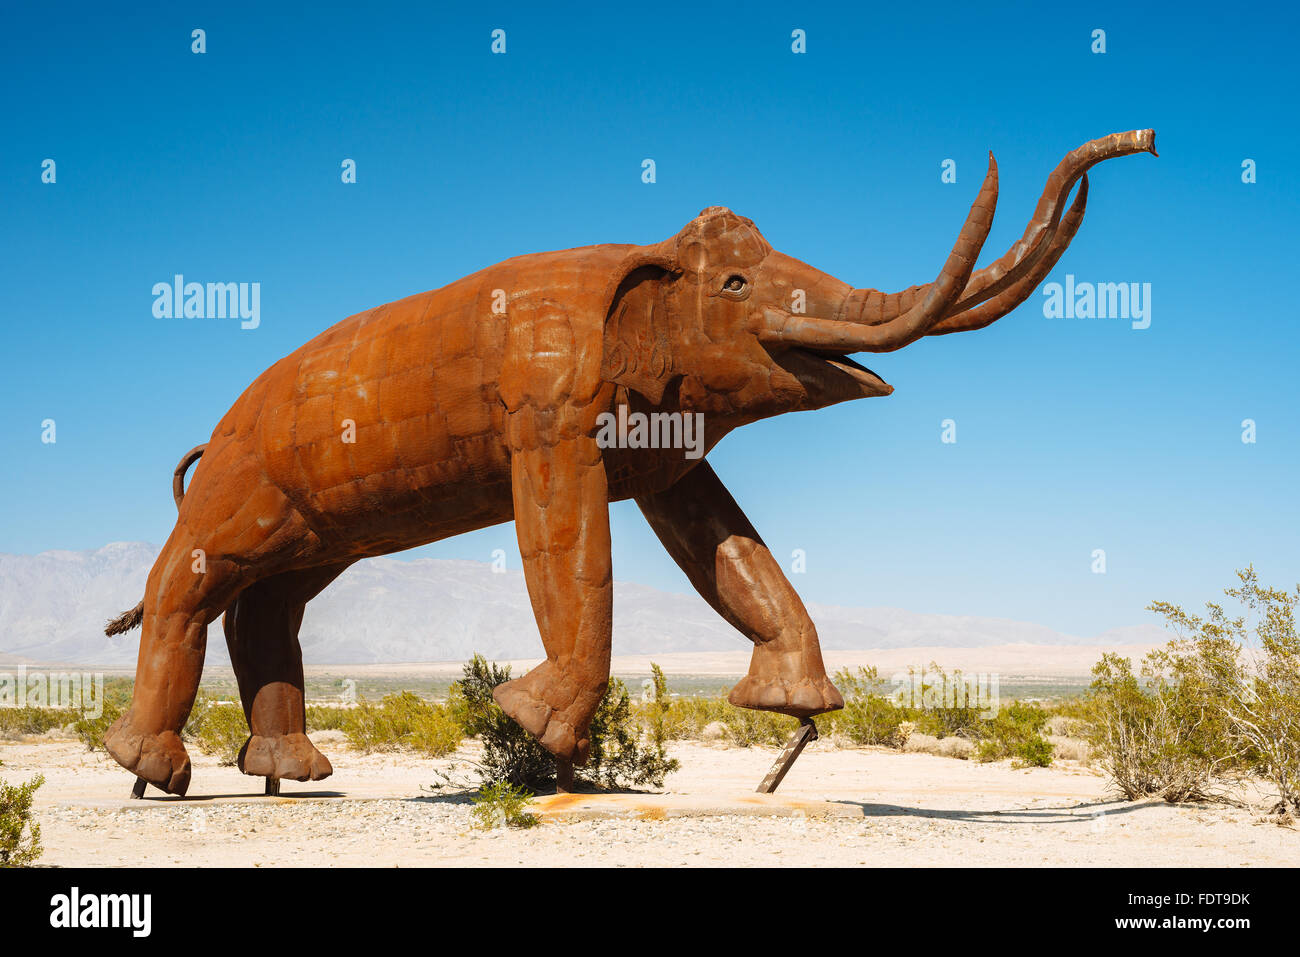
pixel 290 756
pixel 777 681
pixel 159 758
pixel 525 700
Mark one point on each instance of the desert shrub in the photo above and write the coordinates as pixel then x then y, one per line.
pixel 90 731
pixel 16 722
pixel 217 727
pixel 627 745
pixel 511 755
pixel 326 717
pixel 1036 752
pixel 1243 673
pixel 747 728
pixel 1065 726
pixel 688 717
pixel 654 713
pixel 1015 731
pixel 402 720
pixel 1070 748
pixel 948 705
pixel 20 834
pixel 870 716
pixel 1154 737
pixel 502 804
pixel 622 755
pixel 117 698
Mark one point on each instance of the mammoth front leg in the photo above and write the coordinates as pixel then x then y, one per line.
pixel 711 539
pixel 562 519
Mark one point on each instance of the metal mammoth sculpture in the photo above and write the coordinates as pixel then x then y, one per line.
pixel 482 402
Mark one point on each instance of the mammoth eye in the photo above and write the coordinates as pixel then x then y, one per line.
pixel 734 284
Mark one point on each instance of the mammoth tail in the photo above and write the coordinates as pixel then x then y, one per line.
pixel 126 621
pixel 178 477
pixel 132 619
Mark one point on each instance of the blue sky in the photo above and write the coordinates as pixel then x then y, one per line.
pixel 1073 435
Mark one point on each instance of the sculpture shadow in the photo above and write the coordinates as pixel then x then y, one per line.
pixel 152 798
pixel 1078 813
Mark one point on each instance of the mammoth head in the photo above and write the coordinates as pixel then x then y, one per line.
pixel 739 328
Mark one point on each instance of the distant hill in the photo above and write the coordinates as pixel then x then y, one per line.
pixel 384 610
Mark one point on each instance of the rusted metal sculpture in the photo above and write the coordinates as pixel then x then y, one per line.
pixel 483 401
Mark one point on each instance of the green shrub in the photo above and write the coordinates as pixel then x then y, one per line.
pixel 869 716
pixel 989 750
pixel 627 745
pixel 685 718
pixel 940 716
pixel 1015 731
pixel 15 722
pixel 619 757
pixel 217 727
pixel 510 754
pixel 402 720
pixel 326 717
pixel 91 731
pixel 1156 737
pixel 1242 672
pixel 746 727
pixel 117 698
pixel 654 713
pixel 1036 752
pixel 501 804
pixel 20 834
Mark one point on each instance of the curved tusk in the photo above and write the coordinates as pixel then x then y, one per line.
pixel 847 333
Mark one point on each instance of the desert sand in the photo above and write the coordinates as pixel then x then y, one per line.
pixel 838 807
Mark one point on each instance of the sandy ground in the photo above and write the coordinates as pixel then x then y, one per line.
pixel 893 809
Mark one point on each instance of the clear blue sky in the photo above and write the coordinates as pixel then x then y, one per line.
pixel 1072 434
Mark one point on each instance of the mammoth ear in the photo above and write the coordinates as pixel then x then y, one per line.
pixel 638 344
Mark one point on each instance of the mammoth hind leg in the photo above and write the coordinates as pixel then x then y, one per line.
pixel 262 636
pixel 711 539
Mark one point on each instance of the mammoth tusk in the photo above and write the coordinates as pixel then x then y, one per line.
pixel 1013 295
pixel 850 334
pixel 1039 237
pixel 1036 243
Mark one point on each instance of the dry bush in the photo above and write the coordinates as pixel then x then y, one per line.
pixel 955 747
pixel 1246 672
pixel 1070 749
pixel 1157 738
pixel 403 720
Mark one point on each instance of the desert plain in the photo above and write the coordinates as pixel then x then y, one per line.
pixel 839 806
